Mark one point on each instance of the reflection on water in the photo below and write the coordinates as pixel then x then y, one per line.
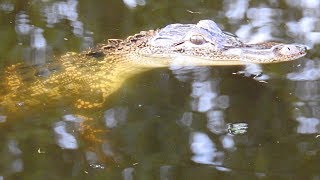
pixel 6 7
pixel 307 28
pixel 13 156
pixel 22 24
pixel 114 117
pixel 65 139
pixel 216 122
pixel 255 71
pixel 309 72
pixel 263 19
pixel 134 3
pixel 260 27
pixel 308 125
pixel 58 11
pixel 306 87
pixel 14 150
pixel 189 122
pixel 127 173
pixel 204 150
pixel 3 119
pixel 36 51
pixel 203 95
pixel 236 10
pixel 39 50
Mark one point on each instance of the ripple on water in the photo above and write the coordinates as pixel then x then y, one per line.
pixel 310 72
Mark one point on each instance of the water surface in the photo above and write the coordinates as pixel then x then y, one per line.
pixel 167 123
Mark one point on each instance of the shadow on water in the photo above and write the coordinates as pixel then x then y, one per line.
pixel 174 123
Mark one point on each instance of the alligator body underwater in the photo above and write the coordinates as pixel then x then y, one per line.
pixel 87 79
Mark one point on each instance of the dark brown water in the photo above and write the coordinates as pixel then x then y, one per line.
pixel 168 123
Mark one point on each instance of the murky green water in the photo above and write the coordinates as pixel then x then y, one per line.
pixel 168 123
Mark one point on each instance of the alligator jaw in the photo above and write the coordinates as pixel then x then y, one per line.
pixel 229 57
pixel 277 53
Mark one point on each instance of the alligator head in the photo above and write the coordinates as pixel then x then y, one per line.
pixel 205 43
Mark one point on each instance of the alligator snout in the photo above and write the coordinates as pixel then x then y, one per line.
pixel 290 49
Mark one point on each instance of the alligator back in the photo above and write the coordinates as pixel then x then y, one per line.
pixel 80 80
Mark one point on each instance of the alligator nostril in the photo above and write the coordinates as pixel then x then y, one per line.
pixel 304 48
pixel 301 48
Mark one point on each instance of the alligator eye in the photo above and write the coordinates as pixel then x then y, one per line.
pixel 197 39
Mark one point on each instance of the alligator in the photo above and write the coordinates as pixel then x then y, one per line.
pixel 85 80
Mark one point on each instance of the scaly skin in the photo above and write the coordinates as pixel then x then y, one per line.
pixel 82 80
pixel 85 80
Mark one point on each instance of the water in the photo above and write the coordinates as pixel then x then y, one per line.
pixel 168 123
